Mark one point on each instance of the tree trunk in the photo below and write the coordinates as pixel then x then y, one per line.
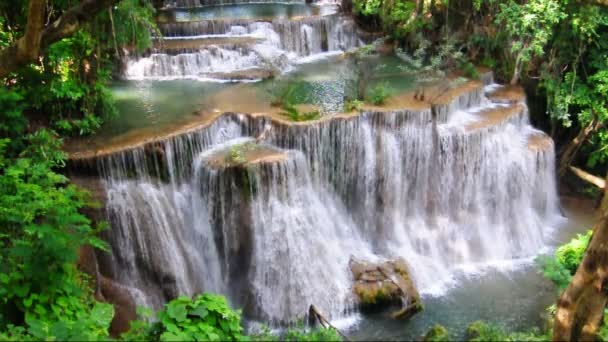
pixel 580 309
pixel 28 46
pixel 37 37
pixel 516 71
pixel 570 151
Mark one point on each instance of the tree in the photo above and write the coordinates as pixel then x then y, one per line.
pixel 38 37
pixel 580 308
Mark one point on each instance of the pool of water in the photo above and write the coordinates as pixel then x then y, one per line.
pixel 247 11
pixel 158 103
pixel 514 296
pixel 325 83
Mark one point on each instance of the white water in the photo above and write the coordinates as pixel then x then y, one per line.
pixel 283 43
pixel 382 185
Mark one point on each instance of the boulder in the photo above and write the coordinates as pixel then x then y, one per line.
pixel 436 333
pixel 107 290
pixel 385 285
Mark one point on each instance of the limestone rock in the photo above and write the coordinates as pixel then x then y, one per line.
pixel 379 286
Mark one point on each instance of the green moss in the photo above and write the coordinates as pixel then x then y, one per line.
pixel 436 333
pixel 374 295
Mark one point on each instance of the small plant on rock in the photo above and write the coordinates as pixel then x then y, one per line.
pixel 353 105
pixel 379 94
pixel 295 115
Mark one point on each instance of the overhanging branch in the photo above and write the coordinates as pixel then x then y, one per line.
pixel 587 177
pixel 23 52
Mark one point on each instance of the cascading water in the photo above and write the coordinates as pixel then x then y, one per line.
pixel 454 186
pixel 275 45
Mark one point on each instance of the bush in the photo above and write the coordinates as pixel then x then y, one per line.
pixel 295 115
pixel 436 334
pixel 206 317
pixel 312 335
pixel 481 331
pixel 571 254
pixel 41 230
pixel 561 267
pixel 353 105
pixel 379 94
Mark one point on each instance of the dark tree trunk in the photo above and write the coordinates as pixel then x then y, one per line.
pixel 580 309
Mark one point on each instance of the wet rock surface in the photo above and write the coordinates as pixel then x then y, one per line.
pixel 380 286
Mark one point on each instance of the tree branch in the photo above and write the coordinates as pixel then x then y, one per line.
pixel 14 57
pixel 595 180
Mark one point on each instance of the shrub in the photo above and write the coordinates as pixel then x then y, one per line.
pixel 436 334
pixel 469 70
pixel 571 254
pixel 312 335
pixel 41 230
pixel 561 267
pixel 207 317
pixel 295 115
pixel 379 94
pixel 353 105
pixel 481 331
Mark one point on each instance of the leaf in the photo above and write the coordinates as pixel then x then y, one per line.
pixel 177 311
pixel 102 314
pixel 199 311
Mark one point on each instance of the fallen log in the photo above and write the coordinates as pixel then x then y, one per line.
pixel 314 315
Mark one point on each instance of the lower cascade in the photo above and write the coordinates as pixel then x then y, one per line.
pixel 273 223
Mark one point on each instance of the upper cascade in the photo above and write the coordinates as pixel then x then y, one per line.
pixel 202 3
pixel 270 212
pixel 227 42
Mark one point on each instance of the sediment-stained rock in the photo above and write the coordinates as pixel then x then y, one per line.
pixel 379 286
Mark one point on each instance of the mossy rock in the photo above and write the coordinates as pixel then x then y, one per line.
pixel 436 334
pixel 380 286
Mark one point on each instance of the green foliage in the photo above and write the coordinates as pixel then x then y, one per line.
pixel 398 18
pixel 437 333
pixel 482 331
pixel 322 334
pixel 603 332
pixel 560 268
pixel 298 334
pixel 6 35
pixel 571 254
pixel 432 61
pixel 133 22
pixel 282 94
pixel 12 121
pixel 42 294
pixel 294 113
pixel 237 153
pixel 530 27
pixel 207 317
pixel 378 94
pixel 554 271
pixel 41 230
pixel 469 70
pixel 353 105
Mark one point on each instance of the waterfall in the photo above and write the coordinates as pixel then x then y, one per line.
pixel 202 3
pixel 275 46
pixel 465 183
pixel 324 33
